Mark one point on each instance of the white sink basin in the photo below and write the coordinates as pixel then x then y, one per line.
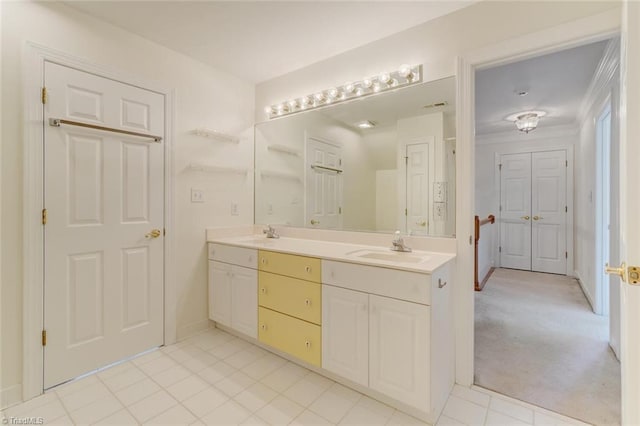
pixel 390 256
pixel 257 240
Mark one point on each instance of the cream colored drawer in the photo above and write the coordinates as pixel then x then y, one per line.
pixel 298 298
pixel 305 268
pixel 403 285
pixel 291 335
pixel 240 256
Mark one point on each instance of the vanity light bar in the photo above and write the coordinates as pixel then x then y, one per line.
pixel 405 75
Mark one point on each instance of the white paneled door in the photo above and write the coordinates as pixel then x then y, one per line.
pixel 417 212
pixel 515 211
pixel 323 184
pixel 104 199
pixel 533 211
pixel 548 210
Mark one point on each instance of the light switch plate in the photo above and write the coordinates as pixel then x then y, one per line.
pixel 197 195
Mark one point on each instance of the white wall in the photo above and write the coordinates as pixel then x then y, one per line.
pixel 435 44
pixel 487 188
pixel 205 97
pixel 604 85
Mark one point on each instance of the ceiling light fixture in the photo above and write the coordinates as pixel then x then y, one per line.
pixel 526 121
pixel 366 124
pixel 405 75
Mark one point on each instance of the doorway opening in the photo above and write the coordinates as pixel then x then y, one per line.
pixel 542 329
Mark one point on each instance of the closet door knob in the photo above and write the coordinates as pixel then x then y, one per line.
pixel 525 217
pixel 537 218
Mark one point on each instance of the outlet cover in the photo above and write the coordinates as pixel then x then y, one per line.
pixel 234 209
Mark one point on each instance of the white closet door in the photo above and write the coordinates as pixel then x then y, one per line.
pixel 103 283
pixel 515 214
pixel 549 216
pixel 418 189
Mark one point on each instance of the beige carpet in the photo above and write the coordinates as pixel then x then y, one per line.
pixel 538 340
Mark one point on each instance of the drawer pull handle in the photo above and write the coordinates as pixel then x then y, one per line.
pixel 307 344
pixel 308 269
pixel 263 290
pixel 440 283
pixel 307 302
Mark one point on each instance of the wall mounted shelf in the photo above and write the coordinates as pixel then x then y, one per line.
pixel 279 175
pixel 214 134
pixel 284 149
pixel 216 169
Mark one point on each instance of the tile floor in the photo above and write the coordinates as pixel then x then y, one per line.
pixel 214 378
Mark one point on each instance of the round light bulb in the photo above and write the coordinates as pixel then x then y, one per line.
pixel 333 93
pixel 404 70
pixel 319 96
pixel 377 87
pixel 349 87
pixel 293 104
pixel 393 83
pixel 367 83
pixel 268 110
pixel 384 78
pixel 359 91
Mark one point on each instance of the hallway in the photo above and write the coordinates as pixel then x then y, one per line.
pixel 537 340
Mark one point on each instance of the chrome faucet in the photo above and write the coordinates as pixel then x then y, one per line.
pixel 271 232
pixel 398 244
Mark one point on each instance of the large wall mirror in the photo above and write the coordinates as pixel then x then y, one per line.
pixel 379 164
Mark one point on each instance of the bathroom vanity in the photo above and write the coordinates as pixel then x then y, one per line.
pixel 378 321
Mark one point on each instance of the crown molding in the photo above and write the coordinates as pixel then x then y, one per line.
pixel 602 78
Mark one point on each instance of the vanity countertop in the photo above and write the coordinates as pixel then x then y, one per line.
pixel 416 261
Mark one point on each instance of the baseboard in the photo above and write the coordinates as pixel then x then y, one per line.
pixel 586 293
pixel 191 329
pixel 10 396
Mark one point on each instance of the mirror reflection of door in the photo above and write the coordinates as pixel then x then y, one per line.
pixel 417 203
pixel 323 189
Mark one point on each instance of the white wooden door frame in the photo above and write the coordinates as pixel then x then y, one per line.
pixel 34 58
pixel 570 160
pixel 570 34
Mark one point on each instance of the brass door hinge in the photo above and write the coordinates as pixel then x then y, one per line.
pixel 406 212
pixel 339 210
pixel 44 337
pixel 44 216
pixel 566 254
pixel 44 95
pixel 500 167
pixel 164 231
pixel 500 249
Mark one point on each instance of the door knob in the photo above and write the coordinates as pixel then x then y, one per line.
pixel 538 218
pixel 423 223
pixel 616 271
pixel 525 217
pixel 155 233
pixel 315 222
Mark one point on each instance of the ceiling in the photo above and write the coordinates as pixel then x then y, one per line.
pixel 556 83
pixel 260 40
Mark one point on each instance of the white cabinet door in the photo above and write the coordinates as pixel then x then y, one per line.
pixel 399 356
pixel 515 211
pixel 548 210
pixel 220 292
pixel 345 333
pixel 244 300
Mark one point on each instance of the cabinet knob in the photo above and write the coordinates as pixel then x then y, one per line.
pixel 307 344
pixel 441 283
pixel 263 290
pixel 307 302
pixel 264 261
pixel 308 269
pixel 263 326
